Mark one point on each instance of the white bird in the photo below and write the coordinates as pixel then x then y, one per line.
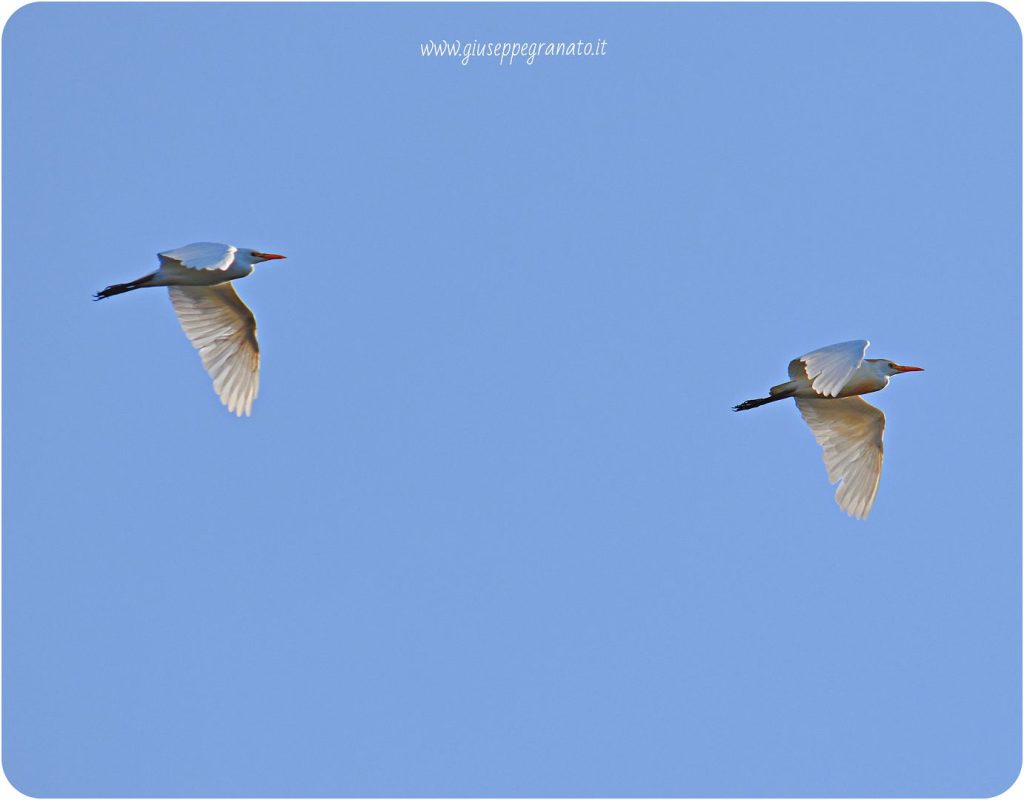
pixel 219 325
pixel 825 384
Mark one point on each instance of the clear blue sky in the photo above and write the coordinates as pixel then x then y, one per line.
pixel 493 528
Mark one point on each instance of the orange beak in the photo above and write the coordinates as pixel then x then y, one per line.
pixel 909 369
pixel 269 256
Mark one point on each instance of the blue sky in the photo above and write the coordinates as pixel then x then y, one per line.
pixel 493 529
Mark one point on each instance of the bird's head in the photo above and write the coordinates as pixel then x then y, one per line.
pixel 887 367
pixel 257 256
pixel 254 256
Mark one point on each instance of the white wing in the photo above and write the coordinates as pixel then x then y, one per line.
pixel 222 328
pixel 849 431
pixel 830 367
pixel 202 255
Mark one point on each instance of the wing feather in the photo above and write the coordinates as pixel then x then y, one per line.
pixel 830 367
pixel 850 432
pixel 223 329
pixel 201 255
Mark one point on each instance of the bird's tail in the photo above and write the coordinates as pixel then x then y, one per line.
pixel 780 392
pixel 746 405
pixel 121 288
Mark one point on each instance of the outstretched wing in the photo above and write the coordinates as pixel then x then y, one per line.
pixel 830 367
pixel 201 255
pixel 849 431
pixel 222 328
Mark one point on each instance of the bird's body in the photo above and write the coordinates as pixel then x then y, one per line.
pixel 871 375
pixel 219 325
pixel 826 385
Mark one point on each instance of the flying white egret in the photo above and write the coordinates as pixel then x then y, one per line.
pixel 219 325
pixel 825 384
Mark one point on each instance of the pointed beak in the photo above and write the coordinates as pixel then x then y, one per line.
pixel 269 256
pixel 910 369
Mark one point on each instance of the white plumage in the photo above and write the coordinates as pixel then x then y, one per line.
pixel 830 367
pixel 849 431
pixel 202 255
pixel 825 384
pixel 219 325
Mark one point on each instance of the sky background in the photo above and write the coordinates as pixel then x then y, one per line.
pixel 493 529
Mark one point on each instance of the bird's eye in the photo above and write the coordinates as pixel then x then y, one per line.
pixel 891 365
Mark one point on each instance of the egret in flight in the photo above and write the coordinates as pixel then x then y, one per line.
pixel 219 325
pixel 825 384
